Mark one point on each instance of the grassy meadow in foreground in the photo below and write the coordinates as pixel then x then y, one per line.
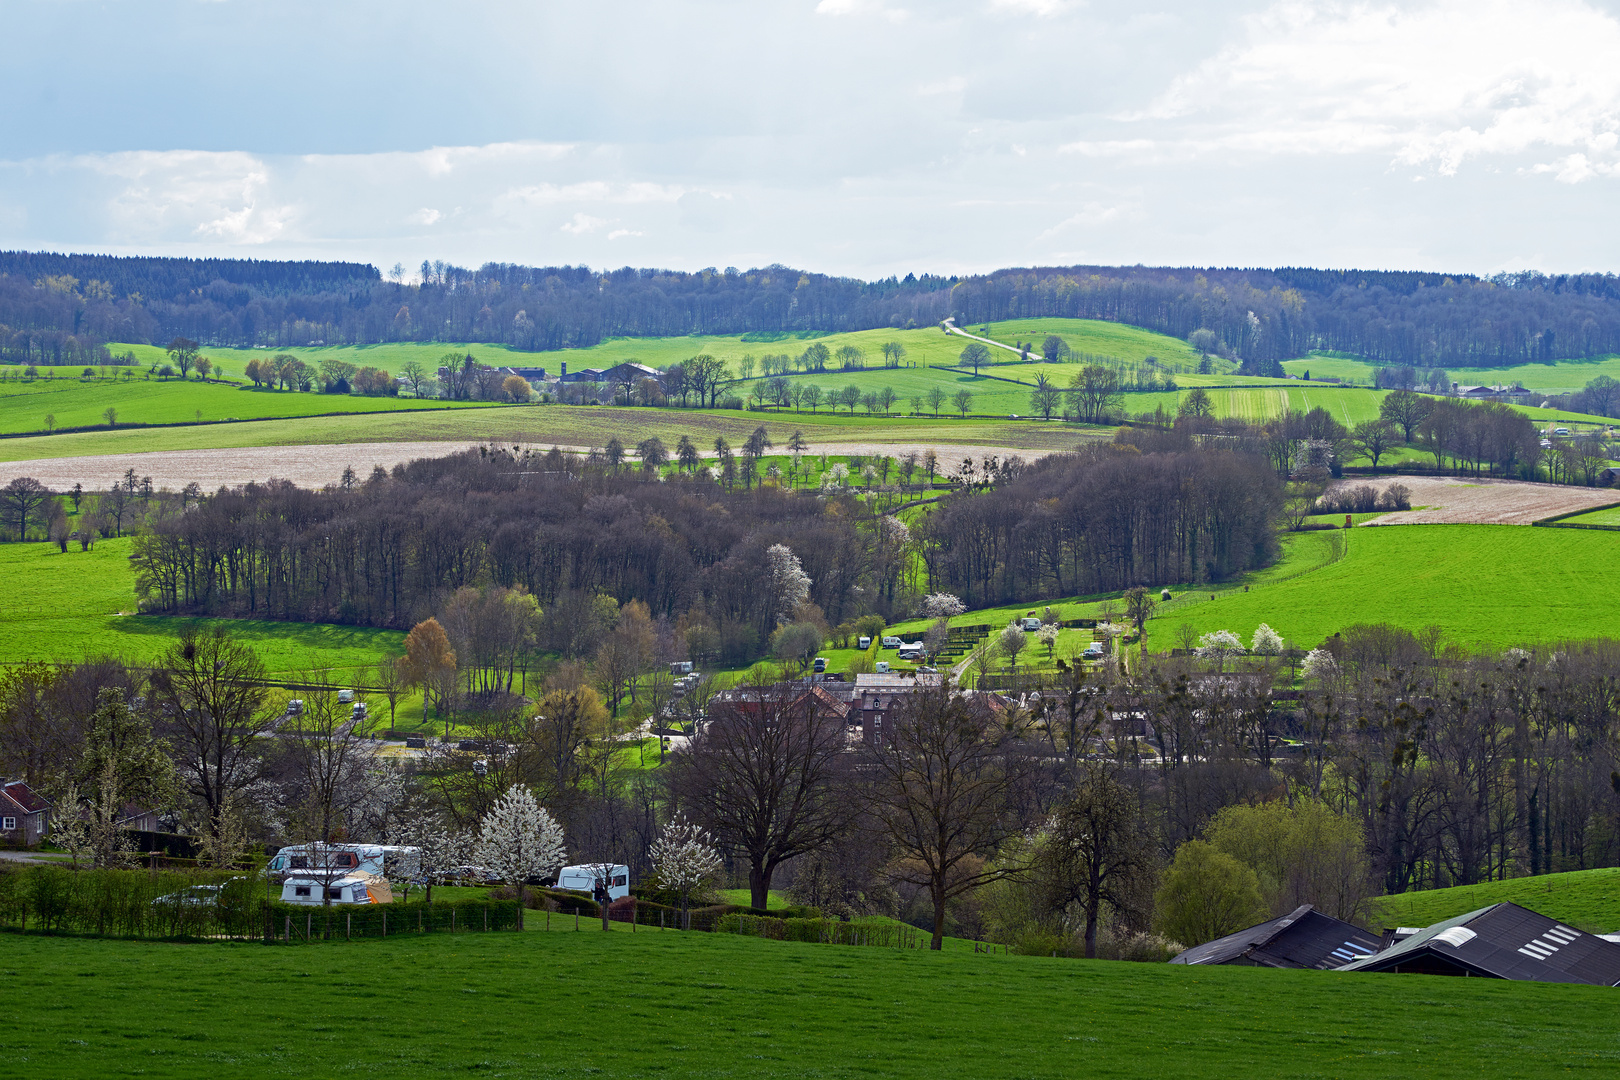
pixel 1586 899
pixel 702 1005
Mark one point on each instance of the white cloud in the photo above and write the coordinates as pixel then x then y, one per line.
pixel 211 195
pixel 862 7
pixel 620 233
pixel 1432 86
pixel 425 216
pixel 580 224
pixel 1043 8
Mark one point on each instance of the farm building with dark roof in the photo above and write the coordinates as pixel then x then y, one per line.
pixel 1503 941
pixel 1304 938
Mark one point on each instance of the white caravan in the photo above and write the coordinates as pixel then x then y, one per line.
pixel 582 878
pixel 343 890
pixel 379 860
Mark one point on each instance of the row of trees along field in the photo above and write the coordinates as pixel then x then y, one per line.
pixel 61 308
pixel 1116 813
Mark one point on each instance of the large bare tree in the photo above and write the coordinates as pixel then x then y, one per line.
pixel 1098 851
pixel 210 691
pixel 763 774
pixel 943 779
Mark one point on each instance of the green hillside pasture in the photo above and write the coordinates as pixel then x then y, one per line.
pixel 83 402
pixel 1486 586
pixel 390 356
pixel 1611 516
pixel 1587 899
pixel 925 345
pixel 543 425
pixel 1566 375
pixel 68 607
pixel 706 1005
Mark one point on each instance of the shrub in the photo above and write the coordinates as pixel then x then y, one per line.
pixel 1207 894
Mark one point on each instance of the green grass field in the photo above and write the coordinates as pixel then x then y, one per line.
pixel 701 1005
pixel 1486 586
pixel 1586 899
pixel 1610 516
pixel 389 356
pixel 82 403
pixel 561 424
pixel 1566 375
pixel 64 607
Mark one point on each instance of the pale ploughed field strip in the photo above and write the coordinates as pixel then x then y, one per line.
pixel 1451 500
pixel 318 465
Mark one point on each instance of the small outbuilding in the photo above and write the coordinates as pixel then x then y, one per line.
pixel 25 814
pixel 1304 938
pixel 1503 941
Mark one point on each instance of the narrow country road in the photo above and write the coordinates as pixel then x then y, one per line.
pixel 951 328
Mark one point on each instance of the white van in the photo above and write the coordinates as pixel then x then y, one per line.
pixel 1030 624
pixel 309 890
pixel 582 878
pixel 345 696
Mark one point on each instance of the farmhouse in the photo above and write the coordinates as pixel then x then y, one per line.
pixel 24 814
pixel 1304 938
pixel 1503 941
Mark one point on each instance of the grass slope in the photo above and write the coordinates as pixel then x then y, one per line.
pixel 59 606
pixel 1587 899
pixel 699 1005
pixel 82 403
pixel 1485 585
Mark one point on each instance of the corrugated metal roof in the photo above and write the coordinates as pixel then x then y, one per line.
pixel 1304 938
pixel 1504 941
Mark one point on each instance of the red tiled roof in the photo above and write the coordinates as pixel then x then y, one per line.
pixel 26 797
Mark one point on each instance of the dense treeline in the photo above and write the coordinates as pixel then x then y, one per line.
pixel 386 552
pixel 60 308
pixel 1104 519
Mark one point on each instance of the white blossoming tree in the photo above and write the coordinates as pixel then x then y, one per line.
pixel 518 840
pixel 1318 664
pixel 1266 641
pixel 1218 645
pixel 685 860
pixel 941 605
pixel 789 584
pixel 440 849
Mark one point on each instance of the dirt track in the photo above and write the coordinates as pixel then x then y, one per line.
pixel 319 465
pixel 1454 500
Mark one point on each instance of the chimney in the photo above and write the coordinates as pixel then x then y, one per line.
pixel 565 369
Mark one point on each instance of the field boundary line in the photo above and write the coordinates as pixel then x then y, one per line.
pixel 1558 521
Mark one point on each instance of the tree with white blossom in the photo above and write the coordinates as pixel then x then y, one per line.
pixel 941 605
pixel 789 584
pixel 686 862
pixel 440 848
pixel 1319 664
pixel 1266 641
pixel 518 839
pixel 1217 645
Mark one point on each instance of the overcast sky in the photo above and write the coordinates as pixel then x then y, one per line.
pixel 862 137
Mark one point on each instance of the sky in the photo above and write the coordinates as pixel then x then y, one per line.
pixel 859 137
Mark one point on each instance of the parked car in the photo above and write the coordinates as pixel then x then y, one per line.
pixel 1094 651
pixel 194 896
pixel 820 665
pixel 295 707
pixel 345 696
pixel 912 651
pixel 1029 624
pixel 890 642
pixel 416 742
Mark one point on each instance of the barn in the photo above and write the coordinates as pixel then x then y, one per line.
pixel 1304 938
pixel 1503 941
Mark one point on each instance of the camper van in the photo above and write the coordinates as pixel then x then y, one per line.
pixel 381 860
pixel 582 878
pixel 343 890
